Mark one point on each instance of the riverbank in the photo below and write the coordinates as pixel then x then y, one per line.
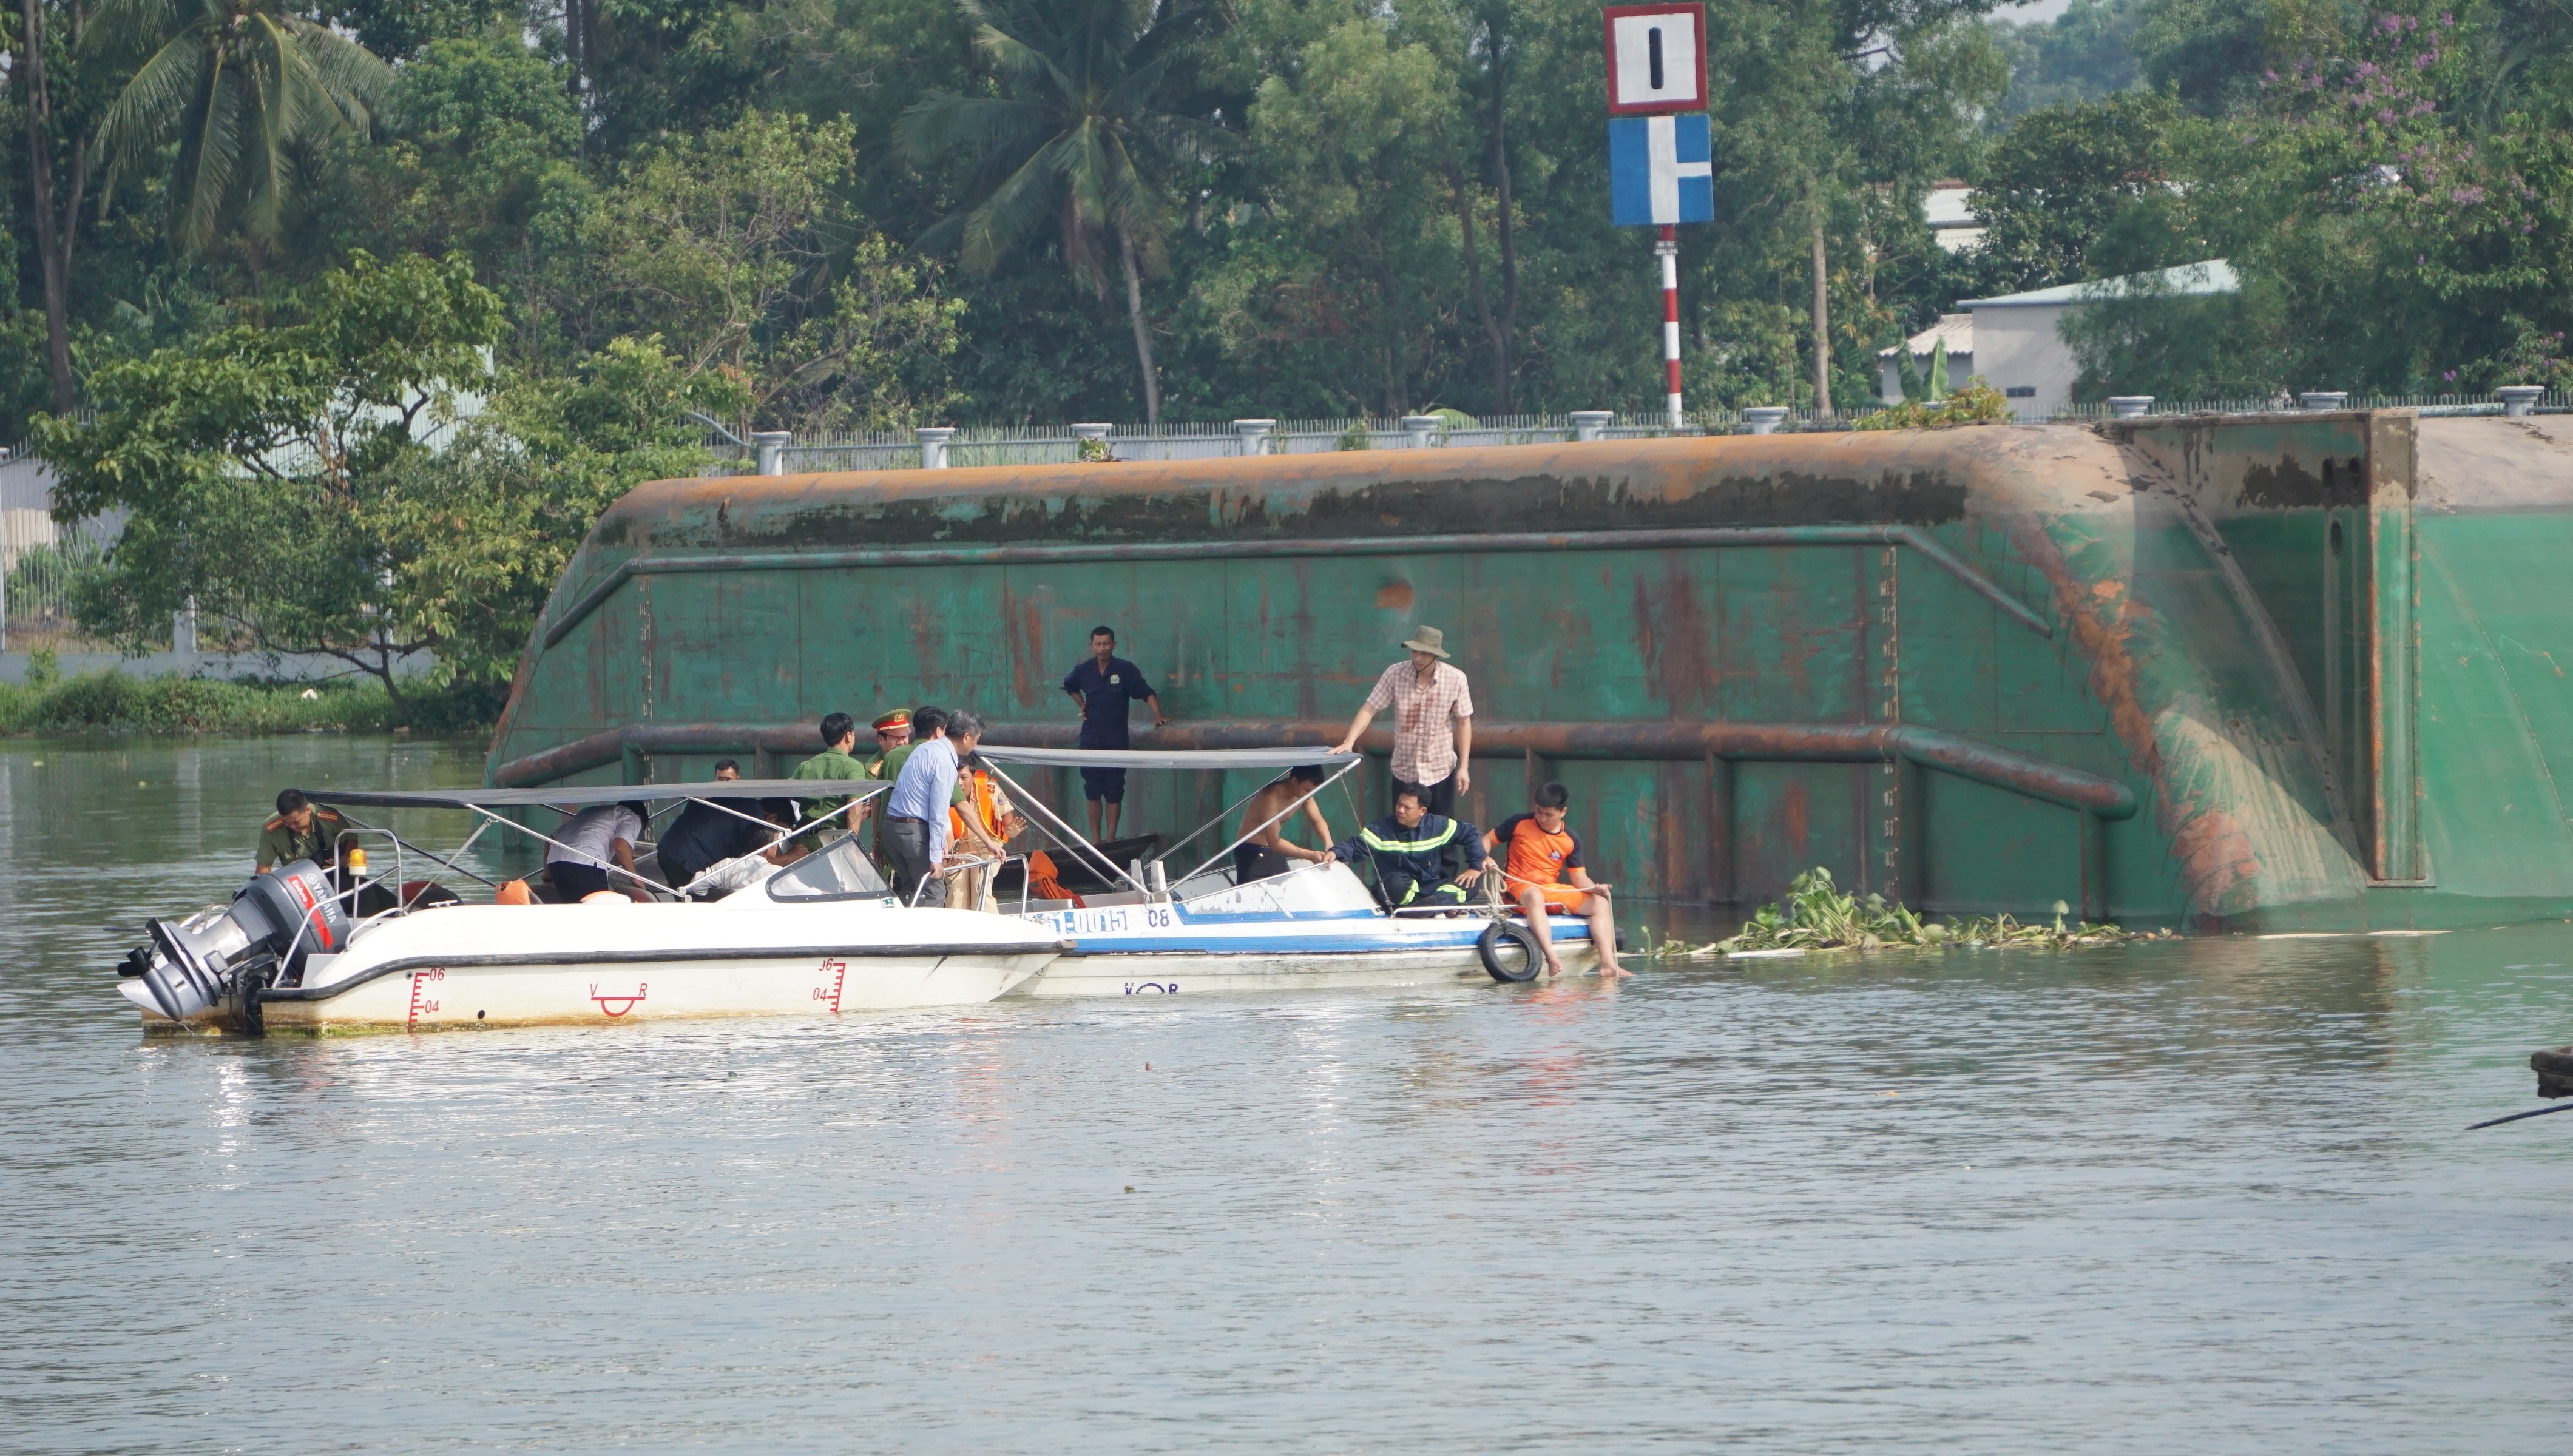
pixel 115 702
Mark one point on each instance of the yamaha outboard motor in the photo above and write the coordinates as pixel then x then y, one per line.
pixel 274 922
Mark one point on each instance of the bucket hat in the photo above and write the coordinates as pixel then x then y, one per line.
pixel 1427 639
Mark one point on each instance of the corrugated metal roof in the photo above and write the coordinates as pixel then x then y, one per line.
pixel 1957 328
pixel 2189 281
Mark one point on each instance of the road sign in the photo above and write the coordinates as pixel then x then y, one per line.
pixel 1656 59
pixel 1661 169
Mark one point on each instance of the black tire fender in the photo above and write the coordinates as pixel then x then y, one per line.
pixel 1497 961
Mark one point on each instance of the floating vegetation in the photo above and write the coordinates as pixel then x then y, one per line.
pixel 1815 915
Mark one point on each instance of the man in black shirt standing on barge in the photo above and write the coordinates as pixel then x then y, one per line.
pixel 1104 684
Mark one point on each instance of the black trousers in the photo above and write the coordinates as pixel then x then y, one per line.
pixel 1401 891
pixel 576 880
pixel 1258 861
pixel 909 841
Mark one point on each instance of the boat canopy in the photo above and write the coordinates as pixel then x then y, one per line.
pixel 599 794
pixel 1164 758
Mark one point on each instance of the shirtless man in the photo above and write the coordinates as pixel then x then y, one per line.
pixel 1268 851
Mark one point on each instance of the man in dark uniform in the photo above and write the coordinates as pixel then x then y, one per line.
pixel 1104 684
pixel 1407 846
pixel 301 831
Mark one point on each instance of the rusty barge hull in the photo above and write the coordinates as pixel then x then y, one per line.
pixel 2230 673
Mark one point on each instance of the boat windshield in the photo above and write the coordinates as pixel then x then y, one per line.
pixel 841 872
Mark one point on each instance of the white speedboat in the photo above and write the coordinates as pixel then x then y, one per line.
pixel 1317 925
pixel 819 937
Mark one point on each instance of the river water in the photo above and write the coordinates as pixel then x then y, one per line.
pixel 2210 1196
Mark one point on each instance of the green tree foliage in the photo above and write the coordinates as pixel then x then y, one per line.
pixel 2088 51
pixel 2394 201
pixel 243 89
pixel 252 461
pixel 482 155
pixel 758 208
pixel 301 479
pixel 1078 141
pixel 734 248
pixel 2083 189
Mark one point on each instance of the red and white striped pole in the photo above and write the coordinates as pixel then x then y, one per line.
pixel 1669 251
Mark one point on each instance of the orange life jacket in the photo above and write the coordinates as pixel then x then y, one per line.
pixel 1041 883
pixel 979 792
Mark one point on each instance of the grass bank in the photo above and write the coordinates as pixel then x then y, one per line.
pixel 114 702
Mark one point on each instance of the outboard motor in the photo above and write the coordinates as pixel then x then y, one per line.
pixel 275 922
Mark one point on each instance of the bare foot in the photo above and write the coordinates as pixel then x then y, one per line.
pixel 1554 968
pixel 1612 973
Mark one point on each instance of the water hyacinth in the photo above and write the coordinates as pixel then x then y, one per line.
pixel 1816 915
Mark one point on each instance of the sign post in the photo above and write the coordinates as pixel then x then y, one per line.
pixel 1661 166
pixel 1669 251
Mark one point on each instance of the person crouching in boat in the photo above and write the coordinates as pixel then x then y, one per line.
pixel 1407 848
pixel 588 843
pixel 1541 869
pixel 301 831
pixel 1267 851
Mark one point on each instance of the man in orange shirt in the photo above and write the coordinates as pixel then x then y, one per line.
pixel 1541 869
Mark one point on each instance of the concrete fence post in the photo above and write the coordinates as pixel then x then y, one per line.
pixel 1589 425
pixel 1764 418
pixel 769 447
pixel 2130 406
pixel 2518 401
pixel 8 559
pixel 183 630
pixel 933 446
pixel 1254 435
pixel 2321 399
pixel 1419 431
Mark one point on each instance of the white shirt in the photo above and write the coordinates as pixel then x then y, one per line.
pixel 587 836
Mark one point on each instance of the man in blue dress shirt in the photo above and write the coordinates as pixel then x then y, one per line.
pixel 916 811
pixel 1104 684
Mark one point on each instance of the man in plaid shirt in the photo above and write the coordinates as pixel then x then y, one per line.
pixel 1427 695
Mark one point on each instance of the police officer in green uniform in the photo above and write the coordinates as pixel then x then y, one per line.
pixel 835 761
pixel 300 831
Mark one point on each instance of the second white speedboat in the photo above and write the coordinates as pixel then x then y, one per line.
pixel 1317 925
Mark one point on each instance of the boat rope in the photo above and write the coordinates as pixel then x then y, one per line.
pixel 2515 1116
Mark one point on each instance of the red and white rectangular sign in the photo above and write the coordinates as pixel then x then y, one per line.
pixel 1656 59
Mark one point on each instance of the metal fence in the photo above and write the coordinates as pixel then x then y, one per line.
pixel 40 566
pixel 780 452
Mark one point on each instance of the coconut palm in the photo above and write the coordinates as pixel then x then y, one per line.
pixel 1076 137
pixel 242 87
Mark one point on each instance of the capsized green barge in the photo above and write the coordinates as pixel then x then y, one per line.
pixel 2271 672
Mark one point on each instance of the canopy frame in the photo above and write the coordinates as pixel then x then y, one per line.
pixel 1073 840
pixel 1172 759
pixel 586 795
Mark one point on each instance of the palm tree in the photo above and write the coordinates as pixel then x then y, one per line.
pixel 1075 138
pixel 242 87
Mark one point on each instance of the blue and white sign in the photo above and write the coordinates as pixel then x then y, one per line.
pixel 1661 169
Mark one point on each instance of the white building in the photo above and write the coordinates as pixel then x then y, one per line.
pixel 2018 338
pixel 1953 224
